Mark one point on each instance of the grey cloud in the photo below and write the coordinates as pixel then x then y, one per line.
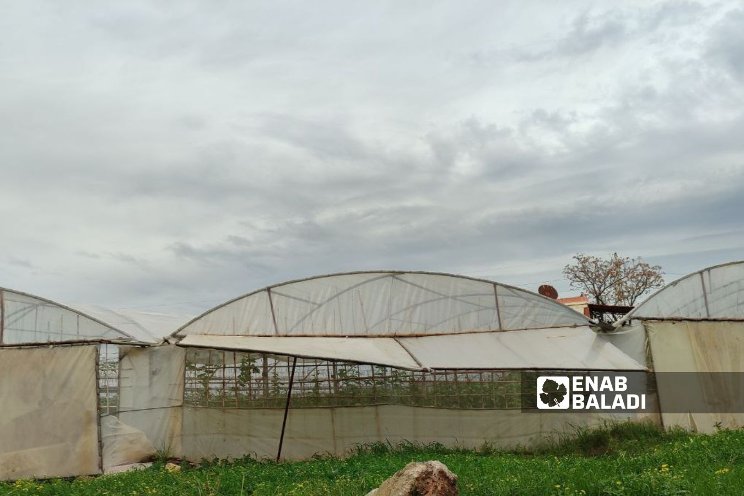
pixel 327 140
pixel 589 33
pixel 727 43
pixel 125 258
pixel 20 262
pixel 193 122
pixel 554 121
pixel 187 251
pixel 594 29
pixel 586 34
pixel 327 146
pixel 477 149
pixel 424 239
pixel 223 254
pixel 128 259
pixel 87 254
pixel 718 237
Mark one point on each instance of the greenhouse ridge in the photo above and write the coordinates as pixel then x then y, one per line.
pixel 382 303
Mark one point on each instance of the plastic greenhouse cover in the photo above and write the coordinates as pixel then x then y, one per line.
pixel 702 348
pixel 383 304
pixel 381 351
pixel 29 319
pixel 48 419
pixel 148 327
pixel 151 393
pixel 577 348
pixel 339 431
pixel 715 293
pixel 568 348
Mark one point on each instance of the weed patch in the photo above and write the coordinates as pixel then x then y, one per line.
pixel 613 460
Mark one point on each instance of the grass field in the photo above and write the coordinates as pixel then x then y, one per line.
pixel 625 459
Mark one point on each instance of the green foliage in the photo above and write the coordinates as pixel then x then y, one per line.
pixel 636 459
pixel 214 380
pixel 203 373
pixel 248 368
pixel 625 437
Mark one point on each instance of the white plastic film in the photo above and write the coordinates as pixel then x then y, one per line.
pixel 523 310
pixel 630 339
pixel 28 320
pixel 380 351
pixel 207 432
pixel 716 293
pixel 250 315
pixel 725 288
pixel 210 432
pixel 151 382
pixel 698 347
pixel 577 348
pixel 383 304
pixel 49 417
pixel 123 444
pixel 147 327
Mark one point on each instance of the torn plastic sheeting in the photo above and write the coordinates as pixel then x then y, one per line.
pixel 148 327
pixel 380 351
pixel 568 348
pixel 630 339
pixel 123 444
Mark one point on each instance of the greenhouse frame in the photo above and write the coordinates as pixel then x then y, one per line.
pixel 693 329
pixel 60 386
pixel 325 364
pixel 321 365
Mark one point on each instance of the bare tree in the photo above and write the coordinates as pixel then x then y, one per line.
pixel 615 280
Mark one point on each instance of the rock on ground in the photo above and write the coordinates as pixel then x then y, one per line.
pixel 431 478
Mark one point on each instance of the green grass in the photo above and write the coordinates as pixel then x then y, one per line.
pixel 625 459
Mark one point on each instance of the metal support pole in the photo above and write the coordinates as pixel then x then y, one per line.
pixel 2 316
pixel 286 408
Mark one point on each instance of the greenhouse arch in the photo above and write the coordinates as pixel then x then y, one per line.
pixel 325 363
pixel 693 329
pixel 60 385
pixel 318 365
pixel 714 293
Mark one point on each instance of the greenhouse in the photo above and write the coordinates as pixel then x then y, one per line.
pixel 321 365
pixel 60 387
pixel 694 331
pixel 314 366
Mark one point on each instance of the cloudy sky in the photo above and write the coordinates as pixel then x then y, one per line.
pixel 170 155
